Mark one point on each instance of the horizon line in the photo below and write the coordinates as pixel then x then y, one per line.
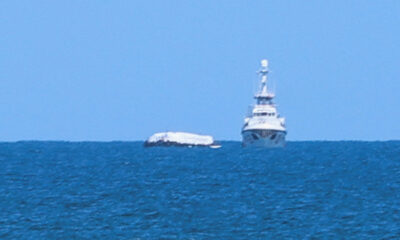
pixel 225 140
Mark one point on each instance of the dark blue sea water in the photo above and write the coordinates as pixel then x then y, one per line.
pixel 120 190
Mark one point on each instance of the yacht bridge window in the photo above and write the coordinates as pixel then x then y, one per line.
pixel 264 114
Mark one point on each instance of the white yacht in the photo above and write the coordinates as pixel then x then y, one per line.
pixel 263 126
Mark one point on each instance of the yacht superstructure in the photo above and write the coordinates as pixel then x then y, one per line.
pixel 263 126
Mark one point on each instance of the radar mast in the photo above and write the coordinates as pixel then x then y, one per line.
pixel 263 96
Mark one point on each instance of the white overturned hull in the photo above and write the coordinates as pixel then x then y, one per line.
pixel 182 139
pixel 264 138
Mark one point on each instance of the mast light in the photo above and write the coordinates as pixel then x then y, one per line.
pixel 264 63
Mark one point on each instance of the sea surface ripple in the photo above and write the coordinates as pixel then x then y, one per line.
pixel 121 190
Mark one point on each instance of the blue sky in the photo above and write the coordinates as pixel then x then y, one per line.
pixel 122 70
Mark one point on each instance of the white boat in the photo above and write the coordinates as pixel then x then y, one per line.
pixel 180 139
pixel 263 127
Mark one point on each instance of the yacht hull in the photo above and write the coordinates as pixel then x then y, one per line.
pixel 263 138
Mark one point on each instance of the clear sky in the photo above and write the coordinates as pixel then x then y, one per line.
pixel 122 70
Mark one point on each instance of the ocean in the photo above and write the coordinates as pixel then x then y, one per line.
pixel 121 190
